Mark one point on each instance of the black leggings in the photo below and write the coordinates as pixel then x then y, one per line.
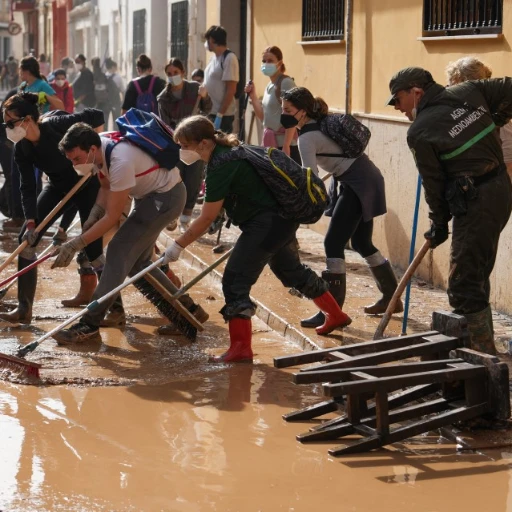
pixel 347 224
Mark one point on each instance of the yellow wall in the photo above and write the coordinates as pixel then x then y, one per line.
pixel 320 68
pixel 385 36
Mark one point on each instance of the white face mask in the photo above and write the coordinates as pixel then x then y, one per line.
pixel 85 169
pixel 207 46
pixel 79 67
pixel 175 80
pixel 16 134
pixel 188 157
pixel 414 111
pixel 60 83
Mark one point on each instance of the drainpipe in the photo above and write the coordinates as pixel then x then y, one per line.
pixel 348 60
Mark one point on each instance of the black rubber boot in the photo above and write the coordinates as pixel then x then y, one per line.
pixel 338 288
pixel 386 283
pixel 26 291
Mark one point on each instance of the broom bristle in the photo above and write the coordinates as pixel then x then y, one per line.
pixel 166 309
pixel 20 366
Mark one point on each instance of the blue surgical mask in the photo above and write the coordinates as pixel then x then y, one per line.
pixel 269 68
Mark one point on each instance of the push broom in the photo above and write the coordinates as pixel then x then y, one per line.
pixel 29 368
pixel 46 220
pixel 11 280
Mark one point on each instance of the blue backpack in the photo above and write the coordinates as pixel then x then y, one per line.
pixel 148 132
pixel 146 100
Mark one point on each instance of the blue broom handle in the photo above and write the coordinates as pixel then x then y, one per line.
pixel 411 254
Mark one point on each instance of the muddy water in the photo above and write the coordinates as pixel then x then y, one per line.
pixel 216 443
pixel 142 422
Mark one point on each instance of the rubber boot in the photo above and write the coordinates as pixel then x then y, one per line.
pixel 240 335
pixel 26 291
pixel 386 283
pixel 88 283
pixel 481 331
pixel 334 316
pixel 338 288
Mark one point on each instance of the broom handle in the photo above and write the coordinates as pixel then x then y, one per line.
pixel 13 279
pixel 184 289
pixel 26 269
pixel 46 220
pixel 92 306
pixel 399 290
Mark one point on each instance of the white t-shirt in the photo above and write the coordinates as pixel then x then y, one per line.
pixel 220 70
pixel 126 162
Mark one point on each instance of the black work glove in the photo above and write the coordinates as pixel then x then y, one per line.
pixel 437 234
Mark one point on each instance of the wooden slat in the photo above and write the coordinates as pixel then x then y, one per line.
pixel 315 356
pixel 402 381
pixel 313 411
pixel 417 350
pixel 374 370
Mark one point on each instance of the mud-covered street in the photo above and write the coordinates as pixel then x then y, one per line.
pixel 143 422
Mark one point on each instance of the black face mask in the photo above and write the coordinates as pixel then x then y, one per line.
pixel 288 121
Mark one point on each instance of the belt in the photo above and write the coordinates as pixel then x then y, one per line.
pixel 497 171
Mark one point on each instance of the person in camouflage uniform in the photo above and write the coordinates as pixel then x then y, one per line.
pixel 456 145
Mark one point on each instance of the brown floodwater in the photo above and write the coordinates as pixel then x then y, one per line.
pixel 142 422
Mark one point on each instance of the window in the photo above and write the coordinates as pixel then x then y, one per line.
pixel 139 36
pixel 322 20
pixel 179 31
pixel 462 17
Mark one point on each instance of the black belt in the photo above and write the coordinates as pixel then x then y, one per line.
pixel 497 171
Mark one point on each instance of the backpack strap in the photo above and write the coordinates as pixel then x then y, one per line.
pixel 116 138
pixel 224 55
pixel 277 86
pixel 137 86
pixel 151 84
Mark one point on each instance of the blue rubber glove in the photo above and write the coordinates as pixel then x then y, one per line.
pixel 217 122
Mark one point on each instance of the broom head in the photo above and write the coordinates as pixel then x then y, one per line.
pixel 21 366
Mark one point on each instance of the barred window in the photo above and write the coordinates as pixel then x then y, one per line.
pixel 462 17
pixel 179 31
pixel 322 20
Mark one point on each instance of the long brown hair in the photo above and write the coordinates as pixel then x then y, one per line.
pixel 198 128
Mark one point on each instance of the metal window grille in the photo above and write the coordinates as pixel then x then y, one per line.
pixel 139 36
pixel 462 17
pixel 179 31
pixel 322 20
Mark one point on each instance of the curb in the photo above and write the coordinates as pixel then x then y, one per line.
pixel 264 313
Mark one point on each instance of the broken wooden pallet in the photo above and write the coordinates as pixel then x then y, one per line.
pixel 374 386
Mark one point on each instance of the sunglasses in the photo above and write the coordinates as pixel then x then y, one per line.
pixel 12 123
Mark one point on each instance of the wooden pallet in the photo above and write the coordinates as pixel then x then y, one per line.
pixel 419 382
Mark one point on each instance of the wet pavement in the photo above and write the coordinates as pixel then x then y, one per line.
pixel 142 422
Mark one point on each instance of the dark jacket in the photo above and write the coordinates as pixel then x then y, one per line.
pixel 47 157
pixel 172 110
pixel 83 86
pixel 455 135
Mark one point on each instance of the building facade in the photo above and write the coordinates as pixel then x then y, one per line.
pixel 385 36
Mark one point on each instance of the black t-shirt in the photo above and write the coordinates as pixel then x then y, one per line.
pixel 47 157
pixel 130 98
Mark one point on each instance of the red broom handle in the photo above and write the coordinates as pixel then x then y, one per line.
pixel 26 269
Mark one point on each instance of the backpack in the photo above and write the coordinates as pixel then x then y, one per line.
pixel 240 85
pixel 344 129
pixel 146 100
pixel 148 132
pixel 277 86
pixel 100 88
pixel 299 192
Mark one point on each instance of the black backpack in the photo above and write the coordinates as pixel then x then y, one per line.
pixel 240 86
pixel 299 192
pixel 344 129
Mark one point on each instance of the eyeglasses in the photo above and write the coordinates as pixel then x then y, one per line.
pixel 12 123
